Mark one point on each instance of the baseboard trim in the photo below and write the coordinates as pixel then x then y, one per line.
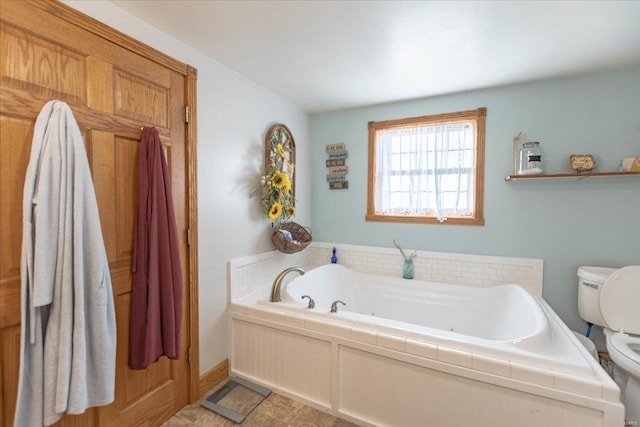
pixel 214 376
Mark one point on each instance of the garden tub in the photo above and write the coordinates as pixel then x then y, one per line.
pixel 410 352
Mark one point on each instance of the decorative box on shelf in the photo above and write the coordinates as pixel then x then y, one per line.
pixel 582 162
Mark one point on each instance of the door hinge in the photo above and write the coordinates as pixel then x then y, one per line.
pixel 187 114
pixel 189 352
pixel 188 237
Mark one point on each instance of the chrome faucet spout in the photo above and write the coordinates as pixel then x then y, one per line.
pixel 275 288
pixel 334 305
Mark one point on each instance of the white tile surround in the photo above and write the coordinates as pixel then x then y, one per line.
pixel 253 275
pixel 356 370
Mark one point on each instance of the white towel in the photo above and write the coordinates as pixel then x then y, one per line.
pixel 68 343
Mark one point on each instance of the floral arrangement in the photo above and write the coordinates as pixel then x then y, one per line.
pixel 275 186
pixel 412 256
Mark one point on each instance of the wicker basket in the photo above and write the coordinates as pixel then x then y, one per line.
pixel 300 237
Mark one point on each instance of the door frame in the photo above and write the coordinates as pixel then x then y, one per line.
pixel 190 74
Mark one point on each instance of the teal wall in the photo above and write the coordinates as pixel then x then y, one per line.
pixel 567 223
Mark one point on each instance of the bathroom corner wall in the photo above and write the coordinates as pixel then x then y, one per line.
pixel 567 223
pixel 251 277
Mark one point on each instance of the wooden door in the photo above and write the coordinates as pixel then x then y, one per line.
pixel 50 51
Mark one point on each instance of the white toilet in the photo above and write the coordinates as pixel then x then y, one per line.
pixel 610 298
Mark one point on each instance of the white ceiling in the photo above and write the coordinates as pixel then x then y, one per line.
pixel 329 55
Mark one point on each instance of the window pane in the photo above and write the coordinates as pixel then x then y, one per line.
pixel 429 167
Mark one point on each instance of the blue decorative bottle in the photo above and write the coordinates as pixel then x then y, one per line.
pixel 334 259
pixel 407 268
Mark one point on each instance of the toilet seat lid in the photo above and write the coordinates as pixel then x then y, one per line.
pixel 620 300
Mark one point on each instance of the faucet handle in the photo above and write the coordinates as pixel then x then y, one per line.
pixel 312 303
pixel 334 305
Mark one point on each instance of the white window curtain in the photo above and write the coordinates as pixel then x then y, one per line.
pixel 426 170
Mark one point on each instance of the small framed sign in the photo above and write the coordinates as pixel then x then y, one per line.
pixel 342 154
pixel 339 185
pixel 337 168
pixel 334 147
pixel 335 162
pixel 336 177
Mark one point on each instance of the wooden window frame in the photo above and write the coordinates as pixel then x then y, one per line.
pixel 478 116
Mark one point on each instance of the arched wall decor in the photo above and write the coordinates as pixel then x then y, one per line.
pixel 279 133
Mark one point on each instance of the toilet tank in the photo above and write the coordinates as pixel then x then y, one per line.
pixel 590 281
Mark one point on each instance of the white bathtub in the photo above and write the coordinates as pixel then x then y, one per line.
pixel 505 313
pixel 412 353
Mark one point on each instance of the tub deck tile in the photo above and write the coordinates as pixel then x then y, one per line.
pixel 391 342
pixel 293 320
pixel 583 386
pixel 279 318
pixel 419 348
pixel 611 394
pixel 238 308
pixel 493 366
pixel 455 357
pixel 363 335
pixel 254 311
pixel 338 330
pixel 315 325
pixel 533 375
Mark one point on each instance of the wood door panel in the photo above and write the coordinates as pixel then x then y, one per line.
pixel 23 104
pixel 126 194
pixel 140 383
pixel 32 16
pixel 9 338
pixel 121 278
pixel 150 410
pixel 49 52
pixel 10 302
pixel 143 393
pixel 140 99
pixel 88 419
pixel 98 97
pixel 41 66
pixel 101 154
pixel 15 145
pixel 19 103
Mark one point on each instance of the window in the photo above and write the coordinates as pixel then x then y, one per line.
pixel 427 169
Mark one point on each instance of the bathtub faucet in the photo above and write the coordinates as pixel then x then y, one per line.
pixel 312 303
pixel 334 305
pixel 275 289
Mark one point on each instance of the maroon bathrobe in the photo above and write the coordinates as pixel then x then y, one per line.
pixel 156 297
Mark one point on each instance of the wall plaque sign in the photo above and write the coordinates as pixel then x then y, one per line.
pixel 337 168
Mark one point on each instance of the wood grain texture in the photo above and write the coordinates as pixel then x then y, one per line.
pixel 114 86
pixel 192 188
pixel 213 377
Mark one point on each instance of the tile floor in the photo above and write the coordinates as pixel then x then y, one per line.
pixel 274 411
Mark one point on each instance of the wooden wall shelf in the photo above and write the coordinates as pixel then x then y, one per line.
pixel 568 175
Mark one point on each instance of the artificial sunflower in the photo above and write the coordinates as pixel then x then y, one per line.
pixel 275 211
pixel 281 181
